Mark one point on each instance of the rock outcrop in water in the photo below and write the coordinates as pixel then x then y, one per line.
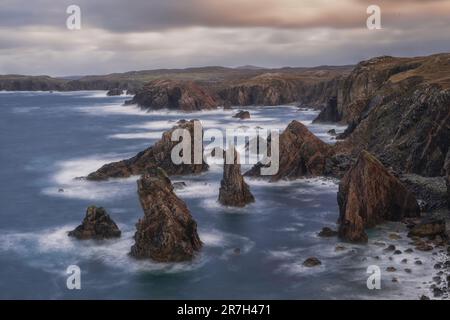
pixel 158 155
pixel 234 192
pixel 167 232
pixel 242 115
pixel 330 113
pixel 180 95
pixel 97 224
pixel 368 195
pixel 301 154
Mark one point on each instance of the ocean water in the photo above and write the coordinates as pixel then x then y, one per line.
pixel 48 139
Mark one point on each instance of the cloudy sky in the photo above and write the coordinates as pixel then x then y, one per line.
pixel 123 35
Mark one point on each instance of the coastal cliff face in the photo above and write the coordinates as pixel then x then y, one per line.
pixel 181 95
pixel 368 195
pixel 167 232
pixel 398 109
pixel 301 154
pixel 267 90
pixel 234 191
pixel 158 155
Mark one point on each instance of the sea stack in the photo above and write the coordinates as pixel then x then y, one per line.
pixel 158 155
pixel 234 192
pixel 97 224
pixel 447 172
pixel 301 154
pixel 167 232
pixel 368 195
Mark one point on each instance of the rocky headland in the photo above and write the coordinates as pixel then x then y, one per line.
pixel 158 155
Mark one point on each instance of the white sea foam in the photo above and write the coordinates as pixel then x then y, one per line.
pixel 67 171
pixel 137 135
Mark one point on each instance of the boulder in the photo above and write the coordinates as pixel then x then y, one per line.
pixel 327 233
pixel 180 95
pixel 167 232
pixel 242 115
pixel 234 191
pixel 301 154
pixel 158 155
pixel 97 224
pixel 312 262
pixel 368 195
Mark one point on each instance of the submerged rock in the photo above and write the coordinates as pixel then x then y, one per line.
pixel 167 232
pixel 97 224
pixel 242 115
pixel 312 262
pixel 327 233
pixel 181 95
pixel 233 189
pixel 158 155
pixel 368 195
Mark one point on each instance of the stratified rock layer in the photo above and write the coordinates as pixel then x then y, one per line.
pixel 159 155
pixel 167 232
pixel 181 95
pixel 368 195
pixel 97 224
pixel 234 191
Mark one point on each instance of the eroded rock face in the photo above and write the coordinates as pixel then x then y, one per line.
pixel 234 191
pixel 181 95
pixel 167 232
pixel 159 155
pixel 368 195
pixel 97 224
pixel 301 154
pixel 330 113
pixel 447 170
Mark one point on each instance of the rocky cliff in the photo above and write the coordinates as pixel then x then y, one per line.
pixel 158 155
pixel 368 195
pixel 181 95
pixel 234 191
pixel 397 108
pixel 167 232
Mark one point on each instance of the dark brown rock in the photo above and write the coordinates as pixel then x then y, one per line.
pixel 158 155
pixel 167 232
pixel 312 262
pixel 234 191
pixel 301 154
pixel 97 224
pixel 330 113
pixel 428 227
pixel 242 115
pixel 368 195
pixel 327 233
pixel 181 95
